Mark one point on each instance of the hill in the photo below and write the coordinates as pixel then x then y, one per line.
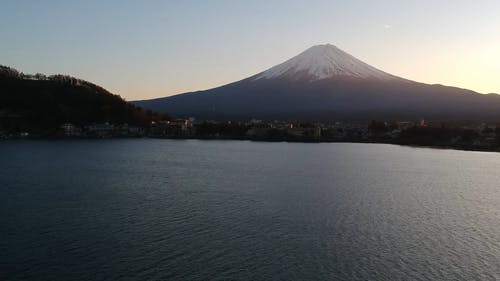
pixel 40 103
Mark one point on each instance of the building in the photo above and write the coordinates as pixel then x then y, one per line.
pixel 70 130
pixel 102 130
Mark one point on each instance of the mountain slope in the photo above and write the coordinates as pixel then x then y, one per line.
pixel 325 83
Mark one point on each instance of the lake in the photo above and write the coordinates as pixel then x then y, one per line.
pixel 152 209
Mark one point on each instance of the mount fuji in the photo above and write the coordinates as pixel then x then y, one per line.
pixel 326 83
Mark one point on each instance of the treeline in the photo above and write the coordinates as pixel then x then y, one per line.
pixel 39 103
pixel 453 137
pixel 465 137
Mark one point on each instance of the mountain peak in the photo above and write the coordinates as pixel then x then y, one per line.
pixel 322 62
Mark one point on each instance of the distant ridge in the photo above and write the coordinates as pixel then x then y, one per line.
pixel 326 83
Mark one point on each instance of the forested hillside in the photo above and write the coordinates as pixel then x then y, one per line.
pixel 38 103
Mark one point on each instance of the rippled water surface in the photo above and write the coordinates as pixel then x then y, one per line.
pixel 235 210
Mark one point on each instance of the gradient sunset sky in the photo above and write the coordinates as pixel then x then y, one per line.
pixel 147 49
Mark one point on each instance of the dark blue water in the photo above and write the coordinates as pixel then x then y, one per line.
pixel 236 210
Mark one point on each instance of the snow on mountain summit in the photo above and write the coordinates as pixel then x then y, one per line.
pixel 321 62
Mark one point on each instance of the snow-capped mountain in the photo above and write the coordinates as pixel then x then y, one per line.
pixel 326 83
pixel 322 62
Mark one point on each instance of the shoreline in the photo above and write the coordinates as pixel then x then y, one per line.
pixel 312 141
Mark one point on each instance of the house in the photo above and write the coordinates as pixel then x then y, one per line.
pixel 70 130
pixel 174 128
pixel 101 130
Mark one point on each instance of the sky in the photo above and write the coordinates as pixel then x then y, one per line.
pixel 141 49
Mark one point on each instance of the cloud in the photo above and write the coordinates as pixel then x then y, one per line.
pixel 387 26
